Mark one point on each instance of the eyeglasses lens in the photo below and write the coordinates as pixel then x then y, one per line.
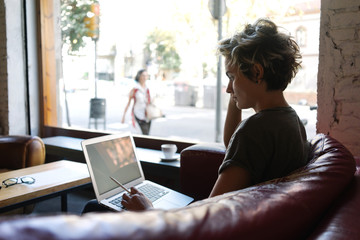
pixel 10 181
pixel 28 180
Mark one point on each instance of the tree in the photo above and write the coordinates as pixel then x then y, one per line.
pixel 74 24
pixel 75 17
pixel 160 48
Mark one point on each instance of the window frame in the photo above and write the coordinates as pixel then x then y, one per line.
pixel 48 99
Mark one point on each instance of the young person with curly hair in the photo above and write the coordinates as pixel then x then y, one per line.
pixel 260 62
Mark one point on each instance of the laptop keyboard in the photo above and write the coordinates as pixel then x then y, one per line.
pixel 150 191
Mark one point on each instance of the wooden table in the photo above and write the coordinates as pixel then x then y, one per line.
pixel 164 173
pixel 51 180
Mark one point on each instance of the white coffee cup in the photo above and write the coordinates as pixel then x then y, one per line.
pixel 168 150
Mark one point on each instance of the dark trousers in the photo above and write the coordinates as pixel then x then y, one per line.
pixel 144 126
pixel 94 206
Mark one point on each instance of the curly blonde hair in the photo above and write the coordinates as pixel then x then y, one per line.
pixel 261 43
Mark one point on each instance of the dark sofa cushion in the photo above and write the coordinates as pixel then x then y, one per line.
pixel 342 220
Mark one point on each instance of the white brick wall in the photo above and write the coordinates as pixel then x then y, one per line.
pixel 339 72
pixel 16 67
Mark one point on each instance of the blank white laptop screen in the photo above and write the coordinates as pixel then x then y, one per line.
pixel 118 159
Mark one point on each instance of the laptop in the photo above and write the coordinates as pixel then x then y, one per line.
pixel 114 156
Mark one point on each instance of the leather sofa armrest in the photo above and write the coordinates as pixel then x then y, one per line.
pixel 21 151
pixel 199 168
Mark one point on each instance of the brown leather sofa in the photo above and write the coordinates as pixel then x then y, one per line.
pixel 319 201
pixel 21 151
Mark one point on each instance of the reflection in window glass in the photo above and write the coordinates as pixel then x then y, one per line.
pixel 301 36
pixel 175 43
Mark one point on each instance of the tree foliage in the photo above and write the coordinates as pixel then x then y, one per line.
pixel 73 23
pixel 160 48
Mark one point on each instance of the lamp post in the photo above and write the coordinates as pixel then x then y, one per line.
pixel 95 73
pixel 97 105
pixel 217 9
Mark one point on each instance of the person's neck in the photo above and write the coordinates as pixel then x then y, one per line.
pixel 142 84
pixel 271 99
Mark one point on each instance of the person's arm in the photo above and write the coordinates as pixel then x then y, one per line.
pixel 127 105
pixel 232 120
pixel 136 201
pixel 231 179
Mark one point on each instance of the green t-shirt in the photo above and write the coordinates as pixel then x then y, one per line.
pixel 270 144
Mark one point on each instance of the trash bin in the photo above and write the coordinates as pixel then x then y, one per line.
pixel 97 111
pixel 185 94
pixel 210 97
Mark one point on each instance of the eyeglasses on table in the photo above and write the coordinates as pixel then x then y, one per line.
pixel 18 180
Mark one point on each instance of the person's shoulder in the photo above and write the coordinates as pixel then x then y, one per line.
pixel 277 110
pixel 133 91
pixel 264 119
pixel 254 119
pixel 272 114
pixel 249 125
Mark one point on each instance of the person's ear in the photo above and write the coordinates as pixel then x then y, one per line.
pixel 258 72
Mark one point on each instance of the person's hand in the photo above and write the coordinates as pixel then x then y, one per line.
pixel 136 201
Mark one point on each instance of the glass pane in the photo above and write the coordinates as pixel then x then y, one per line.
pixel 175 42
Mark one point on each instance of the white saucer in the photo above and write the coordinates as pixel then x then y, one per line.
pixel 169 159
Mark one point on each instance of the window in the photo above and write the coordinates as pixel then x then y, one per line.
pixel 175 45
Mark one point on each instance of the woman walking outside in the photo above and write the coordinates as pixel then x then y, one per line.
pixel 140 95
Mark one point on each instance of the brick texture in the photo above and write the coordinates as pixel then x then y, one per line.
pixel 339 75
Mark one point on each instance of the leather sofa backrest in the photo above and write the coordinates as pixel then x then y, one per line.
pixel 342 219
pixel 285 208
pixel 21 151
pixel 199 168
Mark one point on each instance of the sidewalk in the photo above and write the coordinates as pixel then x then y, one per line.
pixel 181 122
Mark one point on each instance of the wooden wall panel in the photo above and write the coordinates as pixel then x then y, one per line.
pixel 49 81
